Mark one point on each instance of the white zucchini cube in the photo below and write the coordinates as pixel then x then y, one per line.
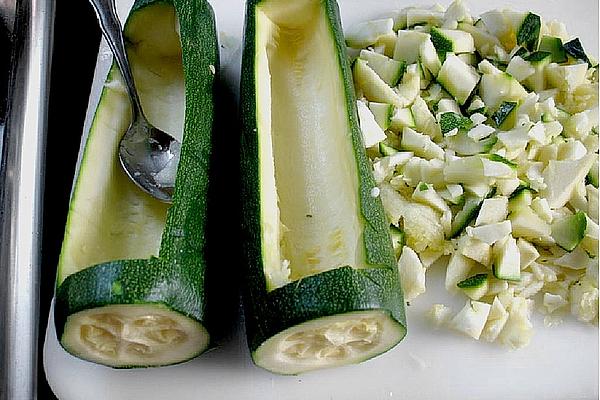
pixel 471 319
pixel 372 132
pixel 495 322
pixel 492 210
pixel 412 274
pixel 490 233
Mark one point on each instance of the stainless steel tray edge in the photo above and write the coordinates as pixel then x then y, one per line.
pixel 21 196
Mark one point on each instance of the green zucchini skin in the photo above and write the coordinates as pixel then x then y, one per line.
pixel 328 293
pixel 176 279
pixel 153 281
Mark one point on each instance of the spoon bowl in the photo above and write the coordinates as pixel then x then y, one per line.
pixel 148 155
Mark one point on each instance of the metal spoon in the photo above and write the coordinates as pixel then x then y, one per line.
pixel 148 155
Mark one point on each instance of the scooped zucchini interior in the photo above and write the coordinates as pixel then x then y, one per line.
pixel 309 185
pixel 110 217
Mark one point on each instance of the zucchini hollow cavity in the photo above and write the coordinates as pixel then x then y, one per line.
pixel 322 285
pixel 130 283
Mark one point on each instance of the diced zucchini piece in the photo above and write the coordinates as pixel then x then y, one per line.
pixel 566 77
pixel 385 167
pixel 447 105
pixel 366 33
pixel 504 25
pixel 408 45
pixel 418 170
pixel 480 189
pixel 506 187
pixel 471 59
pixel 541 207
pixel 480 131
pixel 568 232
pixel 371 131
pixel 506 115
pixel 476 169
pixel 526 223
pixel 457 270
pixel 554 46
pixel 422 227
pixel 561 177
pixel 453 194
pixel 475 287
pixel 496 88
pixel 518 329
pixel 578 259
pixel 463 145
pixel 519 51
pixel 520 198
pixel 495 322
pixel 485 44
pixel 506 259
pixel 387 150
pixel 400 18
pixel 398 239
pixel 458 78
pixel 538 60
pixel 489 67
pixel 457 11
pixel 389 70
pixel 574 48
pixel 451 41
pixel 402 118
pixel 490 233
pixel 471 319
pixel 410 87
pixel 383 114
pixel 373 87
pixel 426 194
pixel 477 106
pixel 429 57
pixel 578 125
pixel 464 217
pixel 553 302
pixel 571 150
pixel 386 44
pixel 493 210
pixel 584 300
pixel 418 16
pixel 467 170
pixel 475 249
pixel 529 32
pixel 420 144
pixel 451 120
pixel 412 274
pixel 424 120
pixel 519 69
pixel 527 251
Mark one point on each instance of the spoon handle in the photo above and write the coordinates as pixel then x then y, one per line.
pixel 111 28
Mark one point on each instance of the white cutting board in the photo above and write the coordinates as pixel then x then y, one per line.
pixel 560 363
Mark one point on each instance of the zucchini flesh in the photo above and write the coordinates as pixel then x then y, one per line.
pixel 130 280
pixel 318 246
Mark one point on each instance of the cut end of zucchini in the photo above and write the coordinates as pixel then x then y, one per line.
pixel 125 335
pixel 330 342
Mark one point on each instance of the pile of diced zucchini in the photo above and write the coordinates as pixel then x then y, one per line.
pixel 483 133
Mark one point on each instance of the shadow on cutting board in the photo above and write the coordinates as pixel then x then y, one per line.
pixel 72 71
pixel 224 218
